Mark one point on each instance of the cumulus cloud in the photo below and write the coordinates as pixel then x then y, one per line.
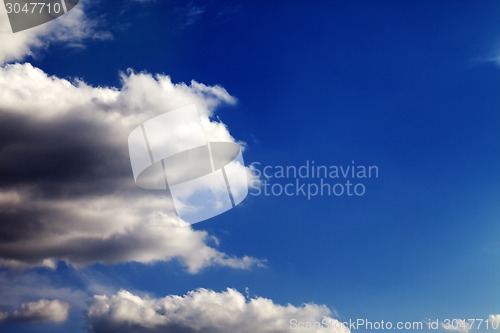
pixel 206 311
pixel 67 191
pixel 72 29
pixel 43 310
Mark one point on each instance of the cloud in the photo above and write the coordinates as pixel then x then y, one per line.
pixel 67 191
pixel 71 29
pixel 207 311
pixel 43 310
pixel 192 13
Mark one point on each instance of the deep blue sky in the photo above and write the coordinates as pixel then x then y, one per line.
pixel 405 85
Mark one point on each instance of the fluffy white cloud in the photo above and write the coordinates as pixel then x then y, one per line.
pixel 67 191
pixel 72 29
pixel 55 311
pixel 206 311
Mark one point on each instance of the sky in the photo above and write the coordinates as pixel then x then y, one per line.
pixel 408 88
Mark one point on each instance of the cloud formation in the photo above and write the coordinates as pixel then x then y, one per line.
pixel 43 310
pixel 204 310
pixel 66 190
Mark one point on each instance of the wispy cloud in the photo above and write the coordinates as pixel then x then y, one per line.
pixel 189 14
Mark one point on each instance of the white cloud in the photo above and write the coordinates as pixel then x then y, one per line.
pixel 206 311
pixel 55 311
pixel 67 191
pixel 72 29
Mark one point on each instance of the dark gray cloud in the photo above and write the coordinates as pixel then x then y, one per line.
pixel 69 156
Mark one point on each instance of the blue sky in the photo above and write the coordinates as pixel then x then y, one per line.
pixel 410 87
